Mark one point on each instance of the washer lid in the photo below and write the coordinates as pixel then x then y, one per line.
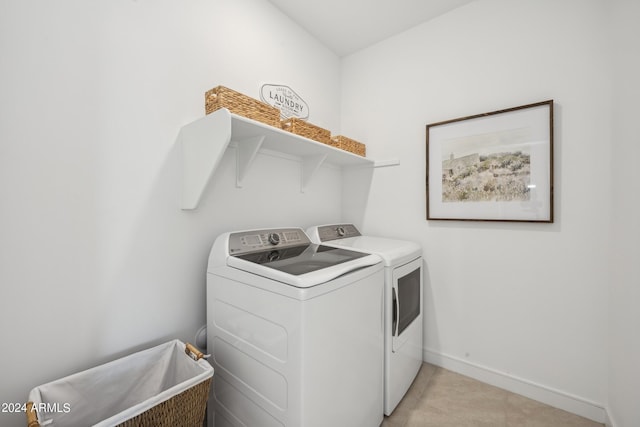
pixel 304 265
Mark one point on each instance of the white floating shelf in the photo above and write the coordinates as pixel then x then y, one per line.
pixel 205 140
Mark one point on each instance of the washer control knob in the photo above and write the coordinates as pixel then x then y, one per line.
pixel 274 238
pixel 273 256
pixel 341 231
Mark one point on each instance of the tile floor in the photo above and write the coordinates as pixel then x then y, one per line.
pixel 441 398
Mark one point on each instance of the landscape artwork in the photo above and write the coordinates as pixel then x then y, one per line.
pixel 494 166
pixel 487 173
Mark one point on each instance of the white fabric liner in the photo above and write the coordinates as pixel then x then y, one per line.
pixel 112 393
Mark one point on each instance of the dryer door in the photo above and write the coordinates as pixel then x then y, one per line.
pixel 406 299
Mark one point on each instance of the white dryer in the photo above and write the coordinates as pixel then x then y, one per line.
pixel 402 306
pixel 295 332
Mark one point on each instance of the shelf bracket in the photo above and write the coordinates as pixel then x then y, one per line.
pixel 203 144
pixel 386 163
pixel 247 149
pixel 310 165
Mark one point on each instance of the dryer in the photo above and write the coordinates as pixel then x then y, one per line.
pixel 403 302
pixel 295 332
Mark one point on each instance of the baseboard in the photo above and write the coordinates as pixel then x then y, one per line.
pixel 538 392
pixel 609 421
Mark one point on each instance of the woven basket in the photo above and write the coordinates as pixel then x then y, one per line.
pixel 306 129
pixel 350 145
pixel 240 104
pixel 185 409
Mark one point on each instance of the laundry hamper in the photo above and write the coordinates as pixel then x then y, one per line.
pixel 164 386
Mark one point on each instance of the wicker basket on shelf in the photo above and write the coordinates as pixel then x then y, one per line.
pixel 350 145
pixel 242 105
pixel 306 129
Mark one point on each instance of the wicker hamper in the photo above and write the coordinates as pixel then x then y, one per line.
pixel 350 145
pixel 158 387
pixel 306 129
pixel 240 104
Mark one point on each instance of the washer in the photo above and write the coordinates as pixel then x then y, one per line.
pixel 403 302
pixel 295 332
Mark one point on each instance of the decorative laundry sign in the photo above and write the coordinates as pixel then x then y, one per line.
pixel 285 99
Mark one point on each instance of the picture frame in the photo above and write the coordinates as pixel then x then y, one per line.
pixel 496 166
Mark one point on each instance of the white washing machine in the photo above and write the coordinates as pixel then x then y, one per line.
pixel 402 306
pixel 295 332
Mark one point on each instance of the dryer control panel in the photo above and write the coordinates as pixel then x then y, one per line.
pixel 260 240
pixel 337 231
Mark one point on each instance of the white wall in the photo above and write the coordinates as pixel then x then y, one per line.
pixel 96 258
pixel 523 306
pixel 624 342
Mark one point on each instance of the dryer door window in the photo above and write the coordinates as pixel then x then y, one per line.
pixel 407 299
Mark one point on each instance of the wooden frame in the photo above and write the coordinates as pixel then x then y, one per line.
pixel 495 166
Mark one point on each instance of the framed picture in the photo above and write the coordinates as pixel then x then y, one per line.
pixel 494 166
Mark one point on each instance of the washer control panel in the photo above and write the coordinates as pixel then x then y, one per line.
pixel 337 231
pixel 259 240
